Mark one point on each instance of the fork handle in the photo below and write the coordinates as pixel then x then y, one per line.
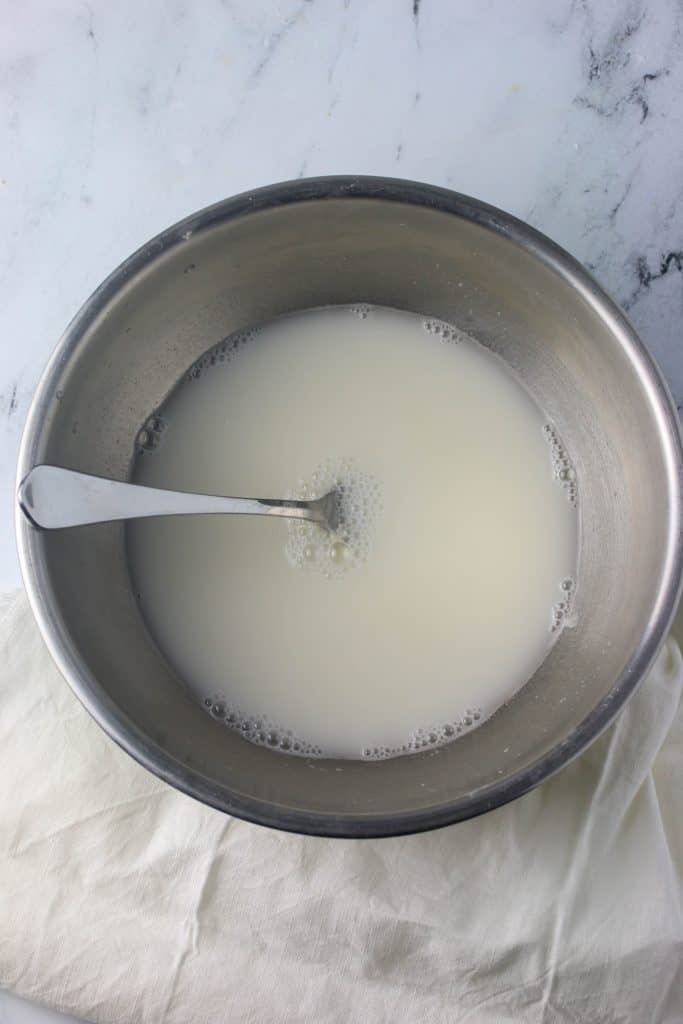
pixel 53 498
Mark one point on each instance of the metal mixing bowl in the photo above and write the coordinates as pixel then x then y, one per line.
pixel 410 246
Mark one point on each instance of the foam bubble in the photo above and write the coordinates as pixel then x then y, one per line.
pixel 427 739
pixel 443 330
pixel 259 729
pixel 263 731
pixel 561 615
pixel 224 352
pixel 310 546
pixel 563 469
pixel 149 435
pixel 437 735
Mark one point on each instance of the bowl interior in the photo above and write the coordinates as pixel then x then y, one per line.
pixel 248 261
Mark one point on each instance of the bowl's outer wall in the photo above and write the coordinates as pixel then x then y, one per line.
pixel 397 244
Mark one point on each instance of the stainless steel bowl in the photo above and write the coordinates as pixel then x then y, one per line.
pixel 394 243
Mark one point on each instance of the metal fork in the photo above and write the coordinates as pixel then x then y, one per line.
pixel 53 498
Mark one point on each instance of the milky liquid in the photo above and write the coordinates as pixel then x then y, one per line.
pixel 454 569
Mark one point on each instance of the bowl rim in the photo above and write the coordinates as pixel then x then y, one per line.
pixel 130 738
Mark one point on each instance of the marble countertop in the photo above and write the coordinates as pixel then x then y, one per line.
pixel 116 119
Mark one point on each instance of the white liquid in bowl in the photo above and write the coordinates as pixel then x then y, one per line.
pixel 456 576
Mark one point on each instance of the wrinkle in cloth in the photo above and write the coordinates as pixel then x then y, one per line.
pixel 122 900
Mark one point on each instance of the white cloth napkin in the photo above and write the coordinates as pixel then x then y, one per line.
pixel 123 901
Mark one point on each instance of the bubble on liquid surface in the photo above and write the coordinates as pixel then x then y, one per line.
pixel 224 352
pixel 150 434
pixel 262 731
pixel 432 738
pixel 259 729
pixel 310 545
pixel 443 330
pixel 563 469
pixel 562 611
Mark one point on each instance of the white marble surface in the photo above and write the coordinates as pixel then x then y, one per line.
pixel 116 119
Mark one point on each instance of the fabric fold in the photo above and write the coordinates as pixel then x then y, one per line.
pixel 122 900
